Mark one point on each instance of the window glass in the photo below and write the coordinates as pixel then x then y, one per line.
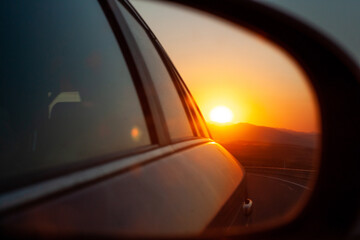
pixel 176 118
pixel 66 93
pixel 197 117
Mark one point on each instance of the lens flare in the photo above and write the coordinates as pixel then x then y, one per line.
pixel 135 133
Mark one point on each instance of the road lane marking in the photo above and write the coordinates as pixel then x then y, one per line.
pixel 296 184
pixel 283 169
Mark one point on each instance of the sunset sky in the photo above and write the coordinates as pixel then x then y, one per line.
pixel 224 65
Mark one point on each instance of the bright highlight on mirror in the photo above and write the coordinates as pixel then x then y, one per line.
pixel 221 114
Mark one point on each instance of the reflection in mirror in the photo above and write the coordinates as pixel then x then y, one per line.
pixel 256 100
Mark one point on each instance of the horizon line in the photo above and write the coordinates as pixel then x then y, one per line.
pixel 279 128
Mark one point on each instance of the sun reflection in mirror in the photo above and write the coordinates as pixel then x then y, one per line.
pixel 221 114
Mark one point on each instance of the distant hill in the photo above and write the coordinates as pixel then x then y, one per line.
pixel 252 133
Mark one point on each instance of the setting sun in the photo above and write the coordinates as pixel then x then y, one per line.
pixel 256 80
pixel 221 114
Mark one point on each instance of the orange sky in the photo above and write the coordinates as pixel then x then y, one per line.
pixel 226 65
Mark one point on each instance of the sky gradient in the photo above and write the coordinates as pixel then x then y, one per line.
pixel 230 66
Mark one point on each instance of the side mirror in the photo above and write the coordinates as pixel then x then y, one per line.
pixel 333 77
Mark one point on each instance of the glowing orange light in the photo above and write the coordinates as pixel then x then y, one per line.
pixel 135 133
pixel 221 114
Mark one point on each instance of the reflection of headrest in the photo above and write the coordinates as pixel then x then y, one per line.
pixel 73 131
pixel 67 111
pixel 64 97
pixel 70 119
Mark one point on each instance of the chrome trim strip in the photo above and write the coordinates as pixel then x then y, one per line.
pixel 37 191
pixel 181 145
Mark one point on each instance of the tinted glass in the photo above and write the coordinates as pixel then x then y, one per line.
pixel 176 118
pixel 199 118
pixel 66 94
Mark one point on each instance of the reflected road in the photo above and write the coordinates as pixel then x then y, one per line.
pixel 273 196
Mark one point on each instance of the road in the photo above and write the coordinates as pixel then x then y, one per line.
pixel 275 192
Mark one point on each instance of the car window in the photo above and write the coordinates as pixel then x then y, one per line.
pixel 175 115
pixel 66 94
pixel 199 119
pixel 195 112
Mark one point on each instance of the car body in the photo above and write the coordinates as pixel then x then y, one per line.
pixel 100 135
pixel 90 199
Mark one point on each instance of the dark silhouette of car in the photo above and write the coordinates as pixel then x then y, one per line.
pixel 99 134
pixel 101 138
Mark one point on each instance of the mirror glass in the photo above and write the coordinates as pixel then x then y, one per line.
pixel 256 100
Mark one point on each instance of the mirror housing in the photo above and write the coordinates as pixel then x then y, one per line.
pixel 335 78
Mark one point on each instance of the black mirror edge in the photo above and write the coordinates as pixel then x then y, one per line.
pixel 335 78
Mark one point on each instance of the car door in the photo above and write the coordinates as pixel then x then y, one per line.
pixel 104 138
